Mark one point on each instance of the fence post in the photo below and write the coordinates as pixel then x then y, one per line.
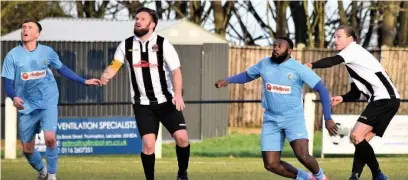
pixel 10 150
pixel 299 52
pixel 309 110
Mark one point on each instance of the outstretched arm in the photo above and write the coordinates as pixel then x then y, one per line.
pixel 240 78
pixel 326 62
pixel 251 74
pixel 324 98
pixel 110 71
pixel 314 81
pixel 352 95
pixel 69 74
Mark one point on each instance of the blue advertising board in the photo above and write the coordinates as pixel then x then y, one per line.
pixel 96 136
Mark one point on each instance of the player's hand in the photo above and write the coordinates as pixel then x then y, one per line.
pixel 336 100
pixel 178 102
pixel 309 64
pixel 104 81
pixel 95 82
pixel 331 127
pixel 221 83
pixel 18 103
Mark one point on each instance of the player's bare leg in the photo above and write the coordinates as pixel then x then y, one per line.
pixel 51 154
pixel 273 163
pixel 34 158
pixel 148 156
pixel 363 148
pixel 301 149
pixel 183 153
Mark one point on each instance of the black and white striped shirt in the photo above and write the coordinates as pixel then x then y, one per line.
pixel 149 64
pixel 368 74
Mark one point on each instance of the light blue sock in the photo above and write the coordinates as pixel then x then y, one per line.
pixel 52 158
pixel 35 160
pixel 301 175
pixel 319 175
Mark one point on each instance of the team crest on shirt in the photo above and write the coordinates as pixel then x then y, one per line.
pixel 155 48
pixel 290 76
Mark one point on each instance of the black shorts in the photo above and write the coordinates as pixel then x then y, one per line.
pixel 149 116
pixel 378 114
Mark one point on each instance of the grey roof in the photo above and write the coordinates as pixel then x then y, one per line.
pixel 89 29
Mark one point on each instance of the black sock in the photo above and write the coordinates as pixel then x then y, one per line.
pixel 183 156
pixel 148 165
pixel 358 164
pixel 367 154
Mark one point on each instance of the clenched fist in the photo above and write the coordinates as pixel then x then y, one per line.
pixel 221 83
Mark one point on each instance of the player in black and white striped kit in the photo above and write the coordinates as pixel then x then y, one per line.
pixel 153 64
pixel 368 78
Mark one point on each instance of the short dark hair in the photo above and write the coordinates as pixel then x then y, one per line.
pixel 349 31
pixel 290 42
pixel 33 21
pixel 151 12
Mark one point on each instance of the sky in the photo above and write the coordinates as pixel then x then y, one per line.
pixel 331 8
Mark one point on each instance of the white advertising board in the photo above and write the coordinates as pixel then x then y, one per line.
pixel 394 141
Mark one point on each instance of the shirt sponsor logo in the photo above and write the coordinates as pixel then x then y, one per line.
pixel 144 64
pixel 278 88
pixel 33 75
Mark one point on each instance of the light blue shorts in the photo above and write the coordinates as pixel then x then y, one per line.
pixel 274 132
pixel 37 120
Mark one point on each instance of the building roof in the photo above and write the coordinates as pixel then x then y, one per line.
pixel 103 30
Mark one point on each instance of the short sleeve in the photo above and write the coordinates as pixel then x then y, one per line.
pixel 170 55
pixel 9 69
pixel 54 59
pixel 255 70
pixel 120 53
pixel 308 76
pixel 348 53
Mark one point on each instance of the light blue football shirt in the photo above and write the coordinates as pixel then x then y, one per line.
pixel 282 84
pixel 34 82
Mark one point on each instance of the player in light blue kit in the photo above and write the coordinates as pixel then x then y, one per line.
pixel 31 85
pixel 282 81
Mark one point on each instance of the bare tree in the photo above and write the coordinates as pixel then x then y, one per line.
pixel 319 21
pixel 309 26
pixel 132 7
pixel 159 9
pixel 403 25
pixel 89 9
pixel 388 30
pixel 13 13
pixel 281 21
pixel 222 15
pixel 373 19
pixel 299 19
pixel 342 13
pixel 264 26
pixel 353 16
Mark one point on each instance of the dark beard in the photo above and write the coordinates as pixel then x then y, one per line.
pixel 281 58
pixel 141 32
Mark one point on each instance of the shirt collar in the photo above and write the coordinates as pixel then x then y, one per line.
pixel 152 36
